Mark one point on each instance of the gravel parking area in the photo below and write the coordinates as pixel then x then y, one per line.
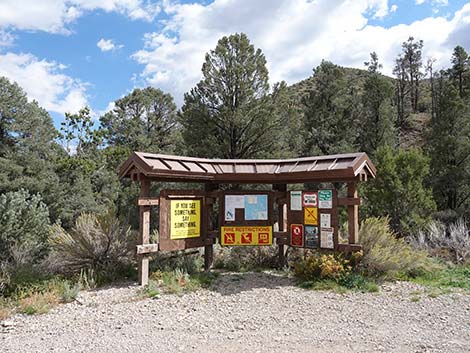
pixel 249 312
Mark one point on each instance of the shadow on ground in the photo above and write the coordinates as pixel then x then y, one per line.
pixel 230 283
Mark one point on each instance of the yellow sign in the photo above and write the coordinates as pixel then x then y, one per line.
pixel 311 215
pixel 185 220
pixel 244 235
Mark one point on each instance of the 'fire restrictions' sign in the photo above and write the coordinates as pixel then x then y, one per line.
pixel 185 219
pixel 247 235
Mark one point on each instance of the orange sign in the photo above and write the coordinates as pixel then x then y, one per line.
pixel 245 235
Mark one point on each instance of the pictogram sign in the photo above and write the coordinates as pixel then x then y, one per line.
pixel 311 215
pixel 310 199
pixel 297 235
pixel 246 235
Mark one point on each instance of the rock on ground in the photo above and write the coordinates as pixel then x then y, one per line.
pixel 250 312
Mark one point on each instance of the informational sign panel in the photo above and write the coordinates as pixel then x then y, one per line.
pixel 325 220
pixel 311 236
pixel 296 200
pixel 311 216
pixel 256 207
pixel 297 235
pixel 231 203
pixel 310 199
pixel 245 235
pixel 185 219
pixel 326 238
pixel 325 198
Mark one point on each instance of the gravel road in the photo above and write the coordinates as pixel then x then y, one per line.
pixel 250 312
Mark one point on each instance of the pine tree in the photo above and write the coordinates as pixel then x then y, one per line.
pixel 230 113
pixel 377 126
pixel 331 112
pixel 144 120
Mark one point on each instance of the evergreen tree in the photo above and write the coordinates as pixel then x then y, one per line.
pixel 399 190
pixel 144 120
pixel 460 71
pixel 448 143
pixel 377 125
pixel 331 112
pixel 230 113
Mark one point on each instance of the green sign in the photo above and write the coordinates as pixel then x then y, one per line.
pixel 325 199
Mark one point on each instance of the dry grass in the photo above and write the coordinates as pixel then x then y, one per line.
pixel 38 303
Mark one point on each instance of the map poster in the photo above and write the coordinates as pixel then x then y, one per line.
pixel 326 238
pixel 231 203
pixel 256 207
pixel 325 198
pixel 311 236
pixel 325 220
pixel 185 219
pixel 296 200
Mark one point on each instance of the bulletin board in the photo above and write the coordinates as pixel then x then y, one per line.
pixel 313 219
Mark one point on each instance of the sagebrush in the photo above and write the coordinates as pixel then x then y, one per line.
pixel 385 254
pixel 96 242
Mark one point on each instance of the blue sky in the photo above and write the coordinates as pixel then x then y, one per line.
pixel 71 53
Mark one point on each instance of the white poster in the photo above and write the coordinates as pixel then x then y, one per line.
pixel 326 238
pixel 231 203
pixel 296 200
pixel 325 220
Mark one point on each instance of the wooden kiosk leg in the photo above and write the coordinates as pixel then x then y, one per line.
pixel 281 221
pixel 353 215
pixel 144 232
pixel 209 209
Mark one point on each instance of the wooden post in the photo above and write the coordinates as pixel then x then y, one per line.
pixel 144 232
pixel 282 225
pixel 353 215
pixel 209 211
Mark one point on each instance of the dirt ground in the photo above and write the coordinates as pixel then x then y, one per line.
pixel 249 312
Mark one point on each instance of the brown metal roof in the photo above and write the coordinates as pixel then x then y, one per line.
pixel 341 167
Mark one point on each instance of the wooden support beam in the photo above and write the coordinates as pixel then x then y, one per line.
pixel 144 232
pixel 280 208
pixel 353 215
pixel 149 201
pixel 147 249
pixel 208 226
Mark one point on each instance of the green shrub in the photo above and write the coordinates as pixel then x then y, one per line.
pixel 385 255
pixel 399 190
pixel 24 228
pixel 322 266
pixel 97 242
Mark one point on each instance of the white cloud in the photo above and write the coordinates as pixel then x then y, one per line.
pixel 54 15
pixel 433 2
pixel 108 45
pixel 43 81
pixel 6 39
pixel 295 35
pixel 393 8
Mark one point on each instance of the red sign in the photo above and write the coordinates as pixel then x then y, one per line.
pixel 229 238
pixel 310 199
pixel 297 235
pixel 263 238
pixel 247 238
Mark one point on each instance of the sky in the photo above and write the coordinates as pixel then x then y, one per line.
pixel 67 54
